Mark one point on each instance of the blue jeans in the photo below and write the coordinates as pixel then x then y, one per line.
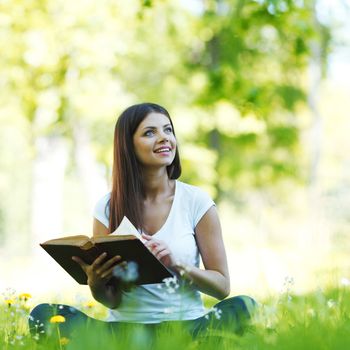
pixel 232 314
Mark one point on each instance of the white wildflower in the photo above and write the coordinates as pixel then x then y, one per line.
pixel 311 312
pixel 217 312
pixel 288 282
pixel 171 284
pixel 345 282
pixel 127 273
pixel 331 303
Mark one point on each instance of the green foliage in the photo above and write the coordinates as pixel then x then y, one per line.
pixel 232 74
pixel 253 55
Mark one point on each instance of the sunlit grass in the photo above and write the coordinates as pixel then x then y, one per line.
pixel 317 320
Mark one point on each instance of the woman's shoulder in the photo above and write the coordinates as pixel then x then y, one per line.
pixel 101 210
pixel 192 190
pixel 106 197
pixel 195 200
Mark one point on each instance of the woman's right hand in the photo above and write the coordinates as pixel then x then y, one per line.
pixel 100 271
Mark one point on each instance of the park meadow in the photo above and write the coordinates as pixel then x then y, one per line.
pixel 317 320
pixel 258 91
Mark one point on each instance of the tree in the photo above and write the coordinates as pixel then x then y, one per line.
pixel 252 57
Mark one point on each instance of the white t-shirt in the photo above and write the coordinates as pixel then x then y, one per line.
pixel 153 303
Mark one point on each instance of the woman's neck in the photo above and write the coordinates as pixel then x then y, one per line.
pixel 157 184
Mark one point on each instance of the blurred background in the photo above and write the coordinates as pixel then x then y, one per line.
pixel 258 92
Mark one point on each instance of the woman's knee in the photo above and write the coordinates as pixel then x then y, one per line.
pixel 236 312
pixel 241 303
pixel 248 303
pixel 40 317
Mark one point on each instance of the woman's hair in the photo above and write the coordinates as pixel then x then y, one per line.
pixel 127 175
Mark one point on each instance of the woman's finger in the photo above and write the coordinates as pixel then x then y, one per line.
pixel 157 249
pixel 99 260
pixel 145 236
pixel 81 262
pixel 162 254
pixel 151 241
pixel 151 245
pixel 111 262
pixel 109 273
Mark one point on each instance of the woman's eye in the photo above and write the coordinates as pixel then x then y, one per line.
pixel 149 133
pixel 168 130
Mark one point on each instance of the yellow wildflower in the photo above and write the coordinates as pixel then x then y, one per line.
pixel 57 319
pixel 9 302
pixel 64 341
pixel 24 296
pixel 90 304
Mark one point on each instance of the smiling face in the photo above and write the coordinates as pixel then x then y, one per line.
pixel 154 141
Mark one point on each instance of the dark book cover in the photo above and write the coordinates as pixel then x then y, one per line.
pixel 150 269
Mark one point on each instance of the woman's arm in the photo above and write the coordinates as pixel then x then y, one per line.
pixel 215 279
pixel 104 288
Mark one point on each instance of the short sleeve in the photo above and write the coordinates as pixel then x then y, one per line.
pixel 201 204
pixel 101 210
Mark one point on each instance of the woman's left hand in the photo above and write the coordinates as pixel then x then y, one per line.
pixel 160 250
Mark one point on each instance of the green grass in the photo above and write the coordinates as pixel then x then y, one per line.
pixel 318 320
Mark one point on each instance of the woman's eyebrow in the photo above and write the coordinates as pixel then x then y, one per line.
pixel 154 127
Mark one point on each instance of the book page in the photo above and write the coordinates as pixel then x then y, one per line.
pixel 78 240
pixel 127 228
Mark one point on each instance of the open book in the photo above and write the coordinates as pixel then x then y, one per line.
pixel 125 241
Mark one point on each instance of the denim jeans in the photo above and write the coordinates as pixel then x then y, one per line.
pixel 231 314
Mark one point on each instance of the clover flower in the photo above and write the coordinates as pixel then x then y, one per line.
pixel 57 319
pixel 128 272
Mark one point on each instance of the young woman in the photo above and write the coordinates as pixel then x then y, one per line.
pixel 179 224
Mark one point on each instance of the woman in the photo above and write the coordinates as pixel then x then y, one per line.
pixel 178 222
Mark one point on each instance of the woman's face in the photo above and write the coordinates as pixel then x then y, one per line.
pixel 154 141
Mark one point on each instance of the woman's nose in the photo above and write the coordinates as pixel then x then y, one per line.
pixel 163 136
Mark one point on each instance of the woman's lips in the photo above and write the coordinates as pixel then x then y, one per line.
pixel 163 150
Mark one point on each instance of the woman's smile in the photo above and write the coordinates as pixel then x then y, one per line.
pixel 163 151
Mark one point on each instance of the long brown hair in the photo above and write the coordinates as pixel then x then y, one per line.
pixel 127 177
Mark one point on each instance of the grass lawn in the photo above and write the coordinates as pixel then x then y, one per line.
pixel 318 320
